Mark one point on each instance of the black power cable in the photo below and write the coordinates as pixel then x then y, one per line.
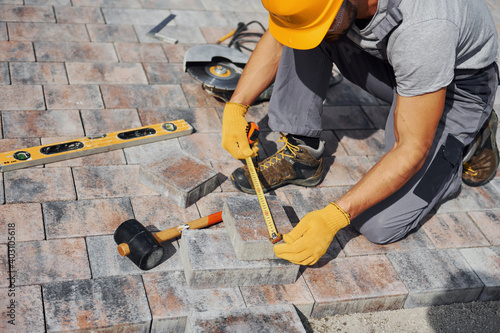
pixel 243 36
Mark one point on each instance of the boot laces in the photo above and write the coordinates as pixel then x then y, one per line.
pixel 468 170
pixel 288 150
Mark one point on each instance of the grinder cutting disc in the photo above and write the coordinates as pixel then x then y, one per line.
pixel 217 75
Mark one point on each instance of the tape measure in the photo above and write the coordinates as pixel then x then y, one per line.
pixel 274 235
pixel 23 158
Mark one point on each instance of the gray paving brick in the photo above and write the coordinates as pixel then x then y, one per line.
pixel 74 51
pixel 22 98
pixel 202 119
pixel 97 73
pixel 48 32
pixel 171 300
pixel 111 33
pixel 210 261
pixel 119 303
pixel 64 219
pixel 349 285
pixel 25 220
pixel 485 262
pixel 152 152
pixel 109 182
pixel 39 185
pixel 39 262
pixel 277 318
pixel 98 122
pixel 436 277
pixel 32 73
pixel 3 31
pixel 135 16
pixel 181 177
pixel 68 14
pixel 30 123
pixel 142 96
pixel 27 313
pixel 15 13
pixel 105 260
pixel 107 3
pixel 488 221
pixel 4 73
pixel 296 293
pixel 246 226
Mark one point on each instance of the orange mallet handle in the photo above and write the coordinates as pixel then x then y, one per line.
pixel 202 222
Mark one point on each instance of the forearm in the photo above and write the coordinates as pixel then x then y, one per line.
pixel 260 71
pixel 390 173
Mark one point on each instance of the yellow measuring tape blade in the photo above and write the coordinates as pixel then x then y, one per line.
pixel 274 235
pixel 23 158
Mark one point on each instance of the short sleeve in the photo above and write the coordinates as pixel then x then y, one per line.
pixel 423 56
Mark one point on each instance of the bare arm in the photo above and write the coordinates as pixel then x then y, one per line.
pixel 415 122
pixel 260 70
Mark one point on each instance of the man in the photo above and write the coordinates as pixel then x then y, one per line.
pixel 433 61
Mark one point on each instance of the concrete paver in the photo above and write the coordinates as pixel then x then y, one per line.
pixel 74 68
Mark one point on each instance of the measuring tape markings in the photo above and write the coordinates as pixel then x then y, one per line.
pixel 38 155
pixel 274 235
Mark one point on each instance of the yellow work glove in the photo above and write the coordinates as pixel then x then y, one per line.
pixel 234 131
pixel 310 239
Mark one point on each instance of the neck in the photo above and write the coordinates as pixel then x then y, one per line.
pixel 366 8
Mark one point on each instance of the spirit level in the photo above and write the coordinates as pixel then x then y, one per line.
pixel 23 158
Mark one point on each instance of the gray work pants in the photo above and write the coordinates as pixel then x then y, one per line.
pixel 297 104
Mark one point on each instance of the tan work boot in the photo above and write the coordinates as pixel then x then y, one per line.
pixel 295 163
pixel 481 166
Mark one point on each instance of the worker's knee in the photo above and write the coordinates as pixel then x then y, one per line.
pixel 383 231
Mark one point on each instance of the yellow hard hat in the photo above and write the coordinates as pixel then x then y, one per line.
pixel 301 24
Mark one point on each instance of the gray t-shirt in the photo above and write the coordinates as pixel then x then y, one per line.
pixel 435 38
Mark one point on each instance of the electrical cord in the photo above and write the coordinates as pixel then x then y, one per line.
pixel 241 36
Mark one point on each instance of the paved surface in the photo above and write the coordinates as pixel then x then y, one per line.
pixel 73 68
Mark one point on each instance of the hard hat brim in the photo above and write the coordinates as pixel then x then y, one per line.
pixel 304 38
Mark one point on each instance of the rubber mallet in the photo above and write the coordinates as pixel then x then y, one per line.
pixel 144 248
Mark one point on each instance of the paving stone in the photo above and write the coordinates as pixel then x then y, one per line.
pixel 484 197
pixel 108 182
pixel 111 33
pixel 134 16
pixel 347 170
pixel 105 260
pixel 27 315
pixel 64 219
pixel 486 264
pixel 182 177
pixel 225 169
pixel 210 261
pixel 377 115
pixel 14 13
pixel 4 265
pixel 205 146
pixel 142 96
pixel 23 220
pixel 48 32
pixel 296 293
pixel 453 231
pixel 140 52
pixel 175 52
pixel 171 300
pixel 22 98
pixel 197 97
pixel 67 14
pixel 40 262
pixel 349 285
pixel 48 2
pixel 277 318
pixel 98 122
pixel 39 185
pixel 18 143
pixel 345 118
pixel 74 51
pixel 247 229
pixel 362 142
pixel 159 212
pixel 3 31
pixel 202 119
pixel 152 152
pixel 4 73
pixel 436 277
pixel 173 4
pixel 31 73
pixel 488 222
pixel 355 244
pixel 114 157
pixel 119 303
pixel 20 124
pixel 98 73
pixel 165 73
pixel 107 3
pixel 73 97
pixel 2 195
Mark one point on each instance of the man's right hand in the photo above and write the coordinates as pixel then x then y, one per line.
pixel 234 131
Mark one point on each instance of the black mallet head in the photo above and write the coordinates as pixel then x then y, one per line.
pixel 138 244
